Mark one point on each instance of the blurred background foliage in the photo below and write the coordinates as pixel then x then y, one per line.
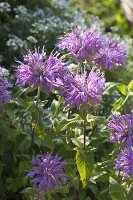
pixel 27 24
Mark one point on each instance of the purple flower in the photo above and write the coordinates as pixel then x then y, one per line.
pixel 97 49
pixel 47 172
pixel 92 40
pixel 5 94
pixel 71 42
pixel 35 71
pixel 122 128
pixel 124 161
pixel 82 46
pixel 80 90
pixel 111 54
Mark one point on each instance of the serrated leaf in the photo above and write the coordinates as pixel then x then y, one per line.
pixel 122 88
pixel 117 192
pixel 85 166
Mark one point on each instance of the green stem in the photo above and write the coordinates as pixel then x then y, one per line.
pixel 38 96
pixel 49 196
pixel 36 120
pixel 125 100
pixel 84 133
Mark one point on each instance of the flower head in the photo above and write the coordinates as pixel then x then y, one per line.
pixel 71 42
pixel 82 46
pixel 122 128
pixel 111 54
pixel 48 172
pixel 124 162
pixel 80 90
pixel 35 71
pixel 5 94
pixel 92 46
pixel 92 40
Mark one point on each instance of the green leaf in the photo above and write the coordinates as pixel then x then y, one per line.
pixel 97 175
pixel 84 161
pixel 23 166
pixel 105 165
pixel 77 142
pixel 46 139
pixel 48 142
pixel 96 119
pixel 11 184
pixel 130 195
pixel 63 189
pixel 117 192
pixel 108 87
pixel 122 88
pixel 118 103
pixel 130 86
pixel 7 131
pixel 68 123
pixel 29 193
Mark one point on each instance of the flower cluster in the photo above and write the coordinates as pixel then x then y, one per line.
pixel 111 54
pixel 122 133
pixel 91 45
pixel 81 90
pixel 5 94
pixel 122 128
pixel 124 162
pixel 35 71
pixel 82 45
pixel 47 172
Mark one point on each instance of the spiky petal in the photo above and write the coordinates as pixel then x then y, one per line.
pixel 121 127
pixel 36 71
pixel 112 54
pixel 82 90
pixel 124 162
pixel 47 172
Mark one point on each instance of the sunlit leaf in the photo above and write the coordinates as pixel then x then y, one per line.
pixel 117 192
pixel 122 88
